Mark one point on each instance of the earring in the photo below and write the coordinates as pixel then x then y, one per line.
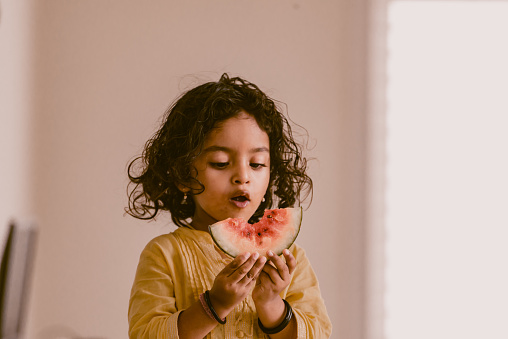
pixel 184 201
pixel 263 200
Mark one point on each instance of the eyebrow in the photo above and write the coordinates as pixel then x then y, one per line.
pixel 228 150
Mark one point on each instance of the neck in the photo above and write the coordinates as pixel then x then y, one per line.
pixel 199 226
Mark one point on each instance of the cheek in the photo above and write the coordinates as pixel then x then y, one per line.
pixel 213 182
pixel 265 180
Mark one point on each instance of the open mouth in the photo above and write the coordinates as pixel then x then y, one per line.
pixel 241 199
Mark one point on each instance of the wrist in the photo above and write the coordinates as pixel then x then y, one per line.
pixel 280 325
pixel 221 310
pixel 265 302
pixel 271 312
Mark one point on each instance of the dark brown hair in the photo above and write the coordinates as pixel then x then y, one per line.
pixel 168 156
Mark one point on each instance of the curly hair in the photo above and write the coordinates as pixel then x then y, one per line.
pixel 167 160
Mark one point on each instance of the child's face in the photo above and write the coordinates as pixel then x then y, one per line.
pixel 234 168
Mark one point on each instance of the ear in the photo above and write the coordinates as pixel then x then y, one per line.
pixel 183 188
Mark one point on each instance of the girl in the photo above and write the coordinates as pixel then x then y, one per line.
pixel 224 150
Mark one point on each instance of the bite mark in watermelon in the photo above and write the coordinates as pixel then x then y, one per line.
pixel 276 231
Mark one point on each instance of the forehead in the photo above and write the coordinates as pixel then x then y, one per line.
pixel 240 130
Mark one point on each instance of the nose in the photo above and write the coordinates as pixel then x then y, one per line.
pixel 241 175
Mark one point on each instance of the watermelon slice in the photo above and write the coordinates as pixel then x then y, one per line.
pixel 276 231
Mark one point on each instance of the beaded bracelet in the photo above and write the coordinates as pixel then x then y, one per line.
pixel 283 324
pixel 211 309
pixel 205 306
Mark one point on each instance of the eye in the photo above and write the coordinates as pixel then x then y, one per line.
pixel 256 165
pixel 219 165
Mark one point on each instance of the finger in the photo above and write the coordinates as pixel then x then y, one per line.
pixel 255 270
pixel 290 260
pixel 235 264
pixel 263 277
pixel 279 264
pixel 242 271
pixel 272 274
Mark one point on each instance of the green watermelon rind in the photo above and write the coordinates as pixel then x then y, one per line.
pixel 297 213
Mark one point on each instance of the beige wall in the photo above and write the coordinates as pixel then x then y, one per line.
pixel 102 74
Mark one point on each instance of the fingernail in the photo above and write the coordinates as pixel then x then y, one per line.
pixel 286 252
pixel 263 260
pixel 270 253
pixel 255 255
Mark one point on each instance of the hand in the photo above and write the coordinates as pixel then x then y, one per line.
pixel 235 282
pixel 273 279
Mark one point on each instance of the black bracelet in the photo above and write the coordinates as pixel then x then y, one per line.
pixel 283 324
pixel 209 304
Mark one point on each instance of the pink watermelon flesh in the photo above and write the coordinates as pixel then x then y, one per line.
pixel 276 231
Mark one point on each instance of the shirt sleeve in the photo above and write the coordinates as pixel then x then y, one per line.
pixel 304 296
pixel 152 306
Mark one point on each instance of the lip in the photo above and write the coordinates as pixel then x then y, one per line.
pixel 240 193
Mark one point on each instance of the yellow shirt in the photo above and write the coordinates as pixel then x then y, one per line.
pixel 175 268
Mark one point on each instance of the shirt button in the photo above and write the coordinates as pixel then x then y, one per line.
pixel 240 334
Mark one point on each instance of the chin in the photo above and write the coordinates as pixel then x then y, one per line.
pixel 245 216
